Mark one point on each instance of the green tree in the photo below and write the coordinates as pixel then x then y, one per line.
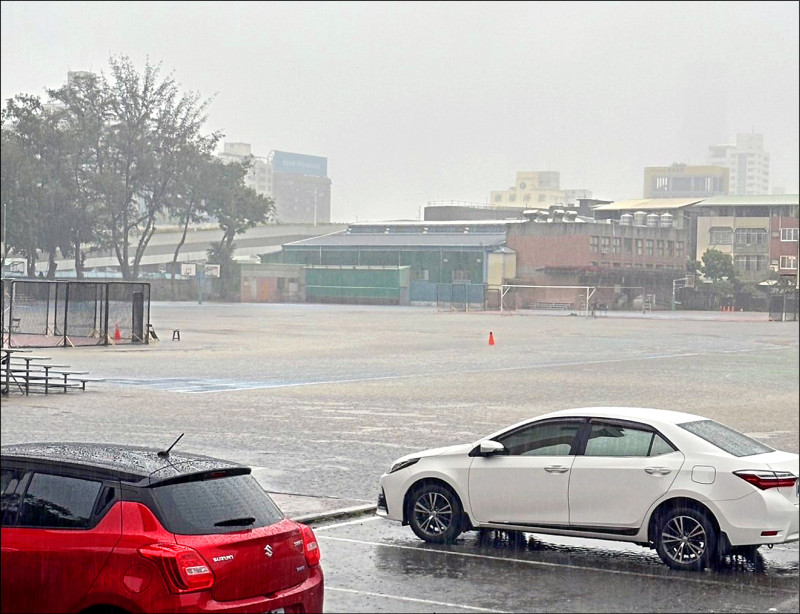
pixel 37 184
pixel 235 206
pixel 718 265
pixel 140 127
pixel 195 183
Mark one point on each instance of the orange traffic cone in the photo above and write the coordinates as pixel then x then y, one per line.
pixel 117 334
pixel 491 338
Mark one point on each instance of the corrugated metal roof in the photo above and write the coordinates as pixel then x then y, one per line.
pixel 758 200
pixel 644 204
pixel 389 241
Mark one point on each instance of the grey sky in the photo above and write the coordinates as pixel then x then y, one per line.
pixel 412 102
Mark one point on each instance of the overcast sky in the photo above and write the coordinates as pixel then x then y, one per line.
pixel 416 102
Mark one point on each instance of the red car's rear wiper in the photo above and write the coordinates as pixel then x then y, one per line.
pixel 234 522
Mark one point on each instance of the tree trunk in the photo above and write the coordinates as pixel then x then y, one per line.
pixel 79 259
pixel 51 264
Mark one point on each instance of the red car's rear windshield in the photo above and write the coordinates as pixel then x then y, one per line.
pixel 725 438
pixel 221 505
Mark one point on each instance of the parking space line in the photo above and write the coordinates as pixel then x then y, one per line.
pixel 413 600
pixel 344 524
pixel 682 578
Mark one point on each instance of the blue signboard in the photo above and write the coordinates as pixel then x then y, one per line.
pixel 298 164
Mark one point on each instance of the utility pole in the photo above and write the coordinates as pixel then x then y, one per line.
pixel 5 241
pixel 201 273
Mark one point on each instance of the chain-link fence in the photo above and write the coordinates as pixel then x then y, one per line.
pixel 50 313
pixel 784 307
pixel 461 297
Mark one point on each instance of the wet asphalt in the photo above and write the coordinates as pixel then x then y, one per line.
pixel 320 400
pixel 381 567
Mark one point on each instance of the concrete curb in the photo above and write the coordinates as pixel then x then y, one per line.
pixel 346 512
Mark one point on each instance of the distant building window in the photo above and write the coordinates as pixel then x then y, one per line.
pixel 526 197
pixel 789 234
pixel 789 262
pixel 720 236
pixel 639 247
pixel 605 245
pixel 659 248
pixel 649 247
pixel 617 245
pixel 750 263
pixel 541 198
pixel 594 243
pixel 751 236
pixel 679 248
pixel 670 248
pixel 512 198
pixel 498 198
pixel 629 246
pixel 460 275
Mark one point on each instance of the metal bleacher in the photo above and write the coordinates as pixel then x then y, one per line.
pixel 25 373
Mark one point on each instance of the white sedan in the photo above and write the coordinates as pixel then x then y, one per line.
pixel 685 485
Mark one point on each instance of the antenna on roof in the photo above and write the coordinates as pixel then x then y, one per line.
pixel 165 453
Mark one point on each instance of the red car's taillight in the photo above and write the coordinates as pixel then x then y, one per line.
pixel 767 479
pixel 310 546
pixel 183 567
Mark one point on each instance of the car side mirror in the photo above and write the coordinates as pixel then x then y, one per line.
pixel 490 448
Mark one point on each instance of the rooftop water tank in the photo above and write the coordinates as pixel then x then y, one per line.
pixel 626 219
pixel 652 220
pixel 639 218
pixel 666 220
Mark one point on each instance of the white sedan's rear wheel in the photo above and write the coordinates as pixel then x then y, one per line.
pixel 685 539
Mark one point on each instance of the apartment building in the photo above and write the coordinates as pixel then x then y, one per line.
pixel 760 232
pixel 747 163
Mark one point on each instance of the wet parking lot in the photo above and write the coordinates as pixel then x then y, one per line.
pixel 321 399
pixel 381 567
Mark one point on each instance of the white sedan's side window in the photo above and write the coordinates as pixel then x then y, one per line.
pixel 616 440
pixel 549 439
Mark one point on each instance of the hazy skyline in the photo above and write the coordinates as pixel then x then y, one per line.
pixel 414 102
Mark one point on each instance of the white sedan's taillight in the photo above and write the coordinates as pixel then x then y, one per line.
pixel 767 479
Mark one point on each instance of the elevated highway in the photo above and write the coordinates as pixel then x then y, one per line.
pixel 161 248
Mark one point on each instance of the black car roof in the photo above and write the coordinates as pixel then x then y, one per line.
pixel 127 463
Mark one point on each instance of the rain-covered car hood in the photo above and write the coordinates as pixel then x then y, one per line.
pixel 462 448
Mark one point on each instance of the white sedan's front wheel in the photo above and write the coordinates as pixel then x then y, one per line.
pixel 435 514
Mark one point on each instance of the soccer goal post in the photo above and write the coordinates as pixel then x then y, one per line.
pixel 576 299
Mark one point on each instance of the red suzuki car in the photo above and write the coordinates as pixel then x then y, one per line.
pixel 116 528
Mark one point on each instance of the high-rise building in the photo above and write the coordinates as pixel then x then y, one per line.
pixel 685 181
pixel 259 177
pixel 747 162
pixel 297 182
pixel 301 187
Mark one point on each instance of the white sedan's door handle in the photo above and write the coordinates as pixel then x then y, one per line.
pixel 556 469
pixel 657 470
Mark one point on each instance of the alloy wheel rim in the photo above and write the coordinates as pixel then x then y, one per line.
pixel 684 539
pixel 433 513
